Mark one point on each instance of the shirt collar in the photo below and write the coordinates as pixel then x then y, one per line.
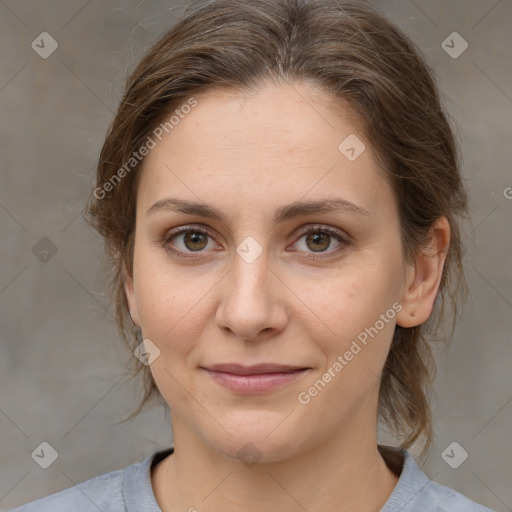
pixel 411 482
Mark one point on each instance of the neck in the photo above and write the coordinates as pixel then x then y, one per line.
pixel 343 474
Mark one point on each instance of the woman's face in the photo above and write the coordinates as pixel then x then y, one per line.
pixel 248 292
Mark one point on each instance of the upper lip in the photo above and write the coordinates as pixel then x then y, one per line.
pixel 238 369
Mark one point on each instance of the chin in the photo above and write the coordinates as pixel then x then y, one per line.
pixel 256 438
pixel 250 451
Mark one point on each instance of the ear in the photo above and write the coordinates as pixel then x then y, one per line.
pixel 422 280
pixel 130 296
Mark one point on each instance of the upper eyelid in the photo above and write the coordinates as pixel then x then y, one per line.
pixel 184 229
pixel 322 227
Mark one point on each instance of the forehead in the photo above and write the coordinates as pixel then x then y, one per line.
pixel 291 139
pixel 294 116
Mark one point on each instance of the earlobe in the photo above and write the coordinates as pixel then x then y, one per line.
pixel 422 279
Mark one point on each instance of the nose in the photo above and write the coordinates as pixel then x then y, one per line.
pixel 252 304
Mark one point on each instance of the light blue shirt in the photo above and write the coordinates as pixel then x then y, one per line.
pixel 129 490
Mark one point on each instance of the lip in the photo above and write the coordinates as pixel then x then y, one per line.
pixel 254 379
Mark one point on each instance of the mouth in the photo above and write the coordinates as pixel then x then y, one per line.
pixel 254 379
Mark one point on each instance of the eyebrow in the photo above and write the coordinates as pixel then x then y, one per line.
pixel 284 213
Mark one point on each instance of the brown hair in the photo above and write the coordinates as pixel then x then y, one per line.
pixel 353 53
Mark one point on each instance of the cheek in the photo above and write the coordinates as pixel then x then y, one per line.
pixel 170 313
pixel 343 305
pixel 359 314
pixel 171 306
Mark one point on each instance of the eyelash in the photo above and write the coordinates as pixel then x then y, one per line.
pixel 316 229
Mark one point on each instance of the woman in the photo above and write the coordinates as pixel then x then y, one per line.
pixel 280 197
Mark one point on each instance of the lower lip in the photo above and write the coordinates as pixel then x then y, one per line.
pixel 259 383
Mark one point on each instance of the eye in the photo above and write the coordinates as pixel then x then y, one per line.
pixel 319 238
pixel 194 239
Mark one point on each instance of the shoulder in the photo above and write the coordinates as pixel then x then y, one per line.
pixel 104 492
pixel 127 489
pixel 449 500
pixel 415 491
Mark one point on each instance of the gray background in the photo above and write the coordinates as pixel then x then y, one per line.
pixel 61 361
